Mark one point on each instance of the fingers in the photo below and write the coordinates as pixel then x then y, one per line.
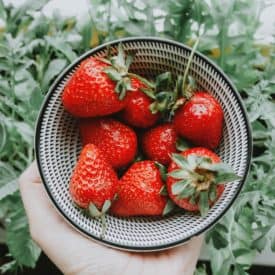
pixel 30 175
pixel 72 252
pixel 38 208
pixel 35 200
pixel 188 255
pixel 63 245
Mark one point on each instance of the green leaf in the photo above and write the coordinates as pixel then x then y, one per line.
pixel 33 5
pixel 3 14
pixel 260 243
pixel 61 46
pixel 24 84
pixel 221 227
pixel 244 256
pixel 3 136
pixel 11 266
pixel 272 245
pixel 203 203
pixel 24 130
pixel 220 240
pixel 93 211
pixel 20 244
pixel 8 188
pixel 201 270
pixel 7 173
pixel 168 207
pixel 54 68
pixel 36 99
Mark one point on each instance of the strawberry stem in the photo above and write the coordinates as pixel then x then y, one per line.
pixel 95 213
pixel 188 67
pixel 104 225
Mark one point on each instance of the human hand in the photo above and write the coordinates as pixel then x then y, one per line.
pixel 76 255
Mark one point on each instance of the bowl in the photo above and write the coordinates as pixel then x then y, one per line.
pixel 57 146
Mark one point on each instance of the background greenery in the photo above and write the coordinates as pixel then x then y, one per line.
pixel 33 51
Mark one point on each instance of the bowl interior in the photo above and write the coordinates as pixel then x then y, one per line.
pixel 58 146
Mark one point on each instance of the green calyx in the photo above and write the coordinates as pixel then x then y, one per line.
pixel 118 71
pixel 95 213
pixel 169 207
pixel 170 94
pixel 162 169
pixel 163 94
pixel 197 179
pixel 166 92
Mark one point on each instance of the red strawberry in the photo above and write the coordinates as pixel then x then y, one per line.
pixel 93 182
pixel 200 120
pixel 159 143
pixel 99 86
pixel 137 112
pixel 116 141
pixel 139 191
pixel 196 177
pixel 90 92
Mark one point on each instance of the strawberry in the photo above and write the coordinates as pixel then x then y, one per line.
pixel 137 112
pixel 159 143
pixel 139 191
pixel 98 87
pixel 116 141
pixel 196 179
pixel 200 120
pixel 93 182
pixel 90 92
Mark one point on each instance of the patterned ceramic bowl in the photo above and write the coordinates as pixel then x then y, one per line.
pixel 58 146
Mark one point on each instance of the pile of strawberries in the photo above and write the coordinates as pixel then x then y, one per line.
pixel 135 160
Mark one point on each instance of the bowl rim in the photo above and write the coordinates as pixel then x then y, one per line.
pixel 79 60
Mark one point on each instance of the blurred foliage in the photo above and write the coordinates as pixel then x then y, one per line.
pixel 34 49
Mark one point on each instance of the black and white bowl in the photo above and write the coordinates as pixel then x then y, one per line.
pixel 58 146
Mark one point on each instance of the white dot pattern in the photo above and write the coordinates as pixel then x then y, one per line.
pixel 58 146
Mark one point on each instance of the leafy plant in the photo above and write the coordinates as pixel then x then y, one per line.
pixel 34 49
